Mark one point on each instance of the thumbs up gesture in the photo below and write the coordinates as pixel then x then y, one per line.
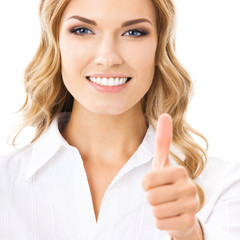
pixel 170 191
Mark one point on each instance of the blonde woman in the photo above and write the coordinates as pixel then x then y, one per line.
pixel 113 156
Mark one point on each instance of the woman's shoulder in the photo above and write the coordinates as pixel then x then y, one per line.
pixel 219 171
pixel 16 152
pixel 17 159
pixel 218 176
pixel 218 167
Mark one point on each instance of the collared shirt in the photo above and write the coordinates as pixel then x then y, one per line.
pixel 44 195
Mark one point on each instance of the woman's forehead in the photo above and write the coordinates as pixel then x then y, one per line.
pixel 111 9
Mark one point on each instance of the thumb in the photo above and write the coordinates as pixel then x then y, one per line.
pixel 163 140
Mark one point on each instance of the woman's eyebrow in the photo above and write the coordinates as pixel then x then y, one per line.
pixel 125 24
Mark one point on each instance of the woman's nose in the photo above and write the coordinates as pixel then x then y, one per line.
pixel 108 53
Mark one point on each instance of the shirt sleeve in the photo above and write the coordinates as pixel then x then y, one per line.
pixel 223 222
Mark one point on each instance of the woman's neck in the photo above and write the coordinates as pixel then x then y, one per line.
pixel 105 140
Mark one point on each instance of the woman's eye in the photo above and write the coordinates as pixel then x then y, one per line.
pixel 81 31
pixel 131 32
pixel 136 33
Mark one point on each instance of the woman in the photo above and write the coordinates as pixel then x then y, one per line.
pixel 103 74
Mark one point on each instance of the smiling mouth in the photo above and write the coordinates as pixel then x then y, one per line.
pixel 109 81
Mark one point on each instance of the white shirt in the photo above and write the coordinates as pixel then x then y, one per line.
pixel 44 195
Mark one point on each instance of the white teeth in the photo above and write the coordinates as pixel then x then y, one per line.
pixel 108 81
pixel 104 82
pixel 111 82
pixel 117 81
pixel 99 80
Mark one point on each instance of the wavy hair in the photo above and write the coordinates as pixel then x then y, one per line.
pixel 170 92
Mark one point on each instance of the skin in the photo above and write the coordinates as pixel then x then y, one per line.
pixel 111 126
pixel 107 48
pixel 170 191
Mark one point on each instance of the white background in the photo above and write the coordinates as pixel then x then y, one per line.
pixel 208 45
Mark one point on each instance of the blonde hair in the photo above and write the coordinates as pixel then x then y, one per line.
pixel 170 92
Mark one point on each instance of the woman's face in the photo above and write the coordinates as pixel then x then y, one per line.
pixel 99 39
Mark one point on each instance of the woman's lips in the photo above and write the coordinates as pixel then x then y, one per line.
pixel 108 89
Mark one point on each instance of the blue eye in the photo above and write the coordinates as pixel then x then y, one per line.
pixel 136 33
pixel 132 32
pixel 80 31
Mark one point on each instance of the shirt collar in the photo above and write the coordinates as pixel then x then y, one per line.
pixel 48 144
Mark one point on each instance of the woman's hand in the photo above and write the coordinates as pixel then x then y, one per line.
pixel 170 191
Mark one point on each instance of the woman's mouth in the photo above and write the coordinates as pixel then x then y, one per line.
pixel 108 84
pixel 111 81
